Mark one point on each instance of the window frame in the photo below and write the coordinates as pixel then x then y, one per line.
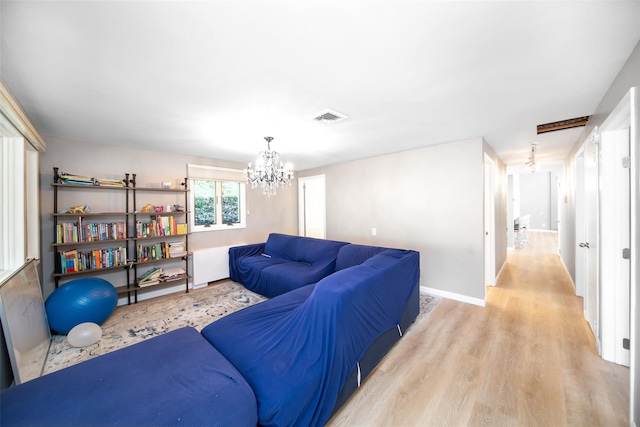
pixel 219 176
pixel 20 148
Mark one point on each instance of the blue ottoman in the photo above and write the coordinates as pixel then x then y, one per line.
pixel 175 378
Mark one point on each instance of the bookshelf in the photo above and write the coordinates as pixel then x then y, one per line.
pixel 160 238
pixel 133 242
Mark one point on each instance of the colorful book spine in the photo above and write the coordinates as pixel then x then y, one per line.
pixel 73 261
pixel 159 227
pixel 76 232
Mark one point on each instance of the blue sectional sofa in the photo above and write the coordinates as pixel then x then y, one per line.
pixel 291 360
pixel 282 263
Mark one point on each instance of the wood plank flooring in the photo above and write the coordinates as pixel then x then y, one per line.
pixel 527 358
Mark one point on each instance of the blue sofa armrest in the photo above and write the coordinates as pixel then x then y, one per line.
pixel 237 252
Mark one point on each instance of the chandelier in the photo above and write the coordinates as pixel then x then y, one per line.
pixel 531 163
pixel 269 172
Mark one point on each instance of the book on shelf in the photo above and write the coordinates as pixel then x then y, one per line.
pixel 172 273
pixel 67 178
pixel 73 260
pixel 75 232
pixel 158 275
pixel 151 277
pixel 152 252
pixel 176 250
pixel 109 182
pixel 159 226
pixel 181 228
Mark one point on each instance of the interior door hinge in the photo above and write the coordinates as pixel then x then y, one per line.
pixel 626 343
pixel 626 253
pixel 626 162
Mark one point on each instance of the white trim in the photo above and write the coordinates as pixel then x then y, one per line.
pixel 501 269
pixel 489 223
pixel 634 407
pixel 453 296
pixel 568 274
pixel 316 204
pixel 11 109
pixel 13 230
pixel 216 174
pixel 32 195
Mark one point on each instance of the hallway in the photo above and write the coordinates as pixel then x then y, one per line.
pixel 527 358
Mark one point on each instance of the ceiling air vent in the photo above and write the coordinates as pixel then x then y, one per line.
pixel 330 116
pixel 563 124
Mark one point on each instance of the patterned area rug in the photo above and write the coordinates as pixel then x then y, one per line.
pixel 133 323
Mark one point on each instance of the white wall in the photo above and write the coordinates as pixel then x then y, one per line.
pixel 535 199
pixel 275 214
pixel 535 194
pixel 628 77
pixel 429 200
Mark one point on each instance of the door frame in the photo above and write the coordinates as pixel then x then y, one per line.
pixel 489 221
pixel 303 203
pixel 580 221
pixel 588 231
pixel 634 407
pixel 615 196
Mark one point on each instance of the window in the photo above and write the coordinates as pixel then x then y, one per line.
pixel 217 198
pixel 204 202
pixel 20 147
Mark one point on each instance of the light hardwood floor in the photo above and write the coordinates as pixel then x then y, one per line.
pixel 527 358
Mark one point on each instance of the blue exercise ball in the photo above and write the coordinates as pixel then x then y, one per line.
pixel 79 301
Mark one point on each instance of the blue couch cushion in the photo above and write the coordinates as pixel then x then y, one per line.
pixel 175 378
pixel 286 263
pixel 296 350
pixel 352 254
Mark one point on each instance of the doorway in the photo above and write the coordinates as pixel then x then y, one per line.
pixel 489 222
pixel 587 212
pixel 312 207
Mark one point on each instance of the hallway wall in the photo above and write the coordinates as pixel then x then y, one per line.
pixel 628 77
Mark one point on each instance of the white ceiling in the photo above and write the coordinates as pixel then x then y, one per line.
pixel 212 78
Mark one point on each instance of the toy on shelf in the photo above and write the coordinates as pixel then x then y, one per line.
pixel 80 209
pixel 147 208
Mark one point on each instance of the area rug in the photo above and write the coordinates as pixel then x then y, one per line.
pixel 133 323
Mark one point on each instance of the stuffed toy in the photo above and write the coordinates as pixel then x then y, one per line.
pixel 80 209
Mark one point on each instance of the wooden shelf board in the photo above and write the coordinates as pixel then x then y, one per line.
pixel 94 242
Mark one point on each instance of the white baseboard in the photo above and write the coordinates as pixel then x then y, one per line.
pixel 453 296
pixel 500 273
pixel 568 274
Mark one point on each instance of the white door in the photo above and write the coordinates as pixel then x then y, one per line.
pixel 581 229
pixel 489 222
pixel 614 239
pixel 587 233
pixel 312 207
pixel 634 150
